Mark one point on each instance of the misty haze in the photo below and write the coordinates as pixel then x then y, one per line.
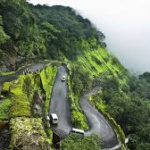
pixel 125 23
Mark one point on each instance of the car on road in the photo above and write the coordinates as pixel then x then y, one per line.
pixel 78 131
pixel 63 78
pixel 54 119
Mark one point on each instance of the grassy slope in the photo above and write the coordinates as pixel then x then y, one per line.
pixel 93 62
pixel 4 109
pixel 19 103
pixel 48 73
pixel 99 61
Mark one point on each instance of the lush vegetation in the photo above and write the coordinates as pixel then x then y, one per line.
pixel 47 79
pixel 28 30
pixel 4 109
pixel 78 118
pixel 129 105
pixel 77 142
pixel 97 101
pixel 28 133
pixel 27 105
pixel 59 33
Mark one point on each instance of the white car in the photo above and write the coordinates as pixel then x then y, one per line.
pixel 78 131
pixel 54 119
pixel 63 78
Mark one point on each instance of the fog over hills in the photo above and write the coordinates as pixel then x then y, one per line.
pixel 126 24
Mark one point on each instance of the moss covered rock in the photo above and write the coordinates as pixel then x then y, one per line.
pixel 6 88
pixel 28 134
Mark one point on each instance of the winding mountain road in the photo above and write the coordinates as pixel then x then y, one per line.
pixel 60 105
pixel 98 124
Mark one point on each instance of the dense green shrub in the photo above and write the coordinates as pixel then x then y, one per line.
pixel 28 133
pixel 129 105
pixel 77 142
pixel 47 76
pixel 4 109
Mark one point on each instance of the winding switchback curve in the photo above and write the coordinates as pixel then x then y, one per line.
pixel 98 124
pixel 60 105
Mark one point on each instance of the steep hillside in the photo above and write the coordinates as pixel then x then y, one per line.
pixel 52 32
pixel 60 33
pixel 55 33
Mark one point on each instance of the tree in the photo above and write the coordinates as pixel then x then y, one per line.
pixel 77 142
pixel 3 36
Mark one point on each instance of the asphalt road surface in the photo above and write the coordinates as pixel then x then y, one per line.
pixel 98 124
pixel 60 104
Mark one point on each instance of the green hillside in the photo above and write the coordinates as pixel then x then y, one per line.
pixel 61 35
pixel 52 32
pixel 56 33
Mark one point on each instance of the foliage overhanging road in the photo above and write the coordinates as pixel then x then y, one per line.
pixel 60 106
